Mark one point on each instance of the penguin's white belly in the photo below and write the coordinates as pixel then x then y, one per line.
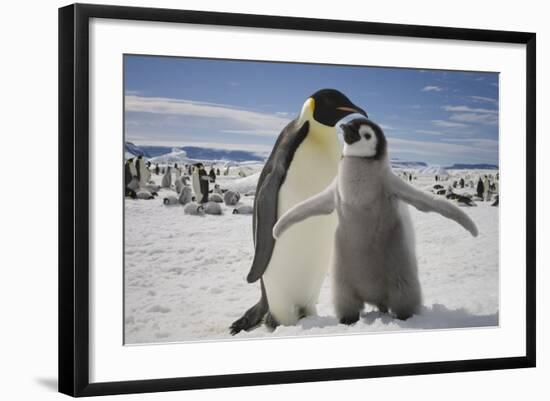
pixel 301 256
pixel 298 267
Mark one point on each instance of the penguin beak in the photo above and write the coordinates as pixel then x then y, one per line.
pixel 352 110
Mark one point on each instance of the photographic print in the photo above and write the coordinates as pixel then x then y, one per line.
pixel 271 199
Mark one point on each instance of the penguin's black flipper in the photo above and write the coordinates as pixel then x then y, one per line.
pixel 252 317
pixel 266 217
pixel 267 193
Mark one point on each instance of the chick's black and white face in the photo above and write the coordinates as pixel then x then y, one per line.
pixel 362 138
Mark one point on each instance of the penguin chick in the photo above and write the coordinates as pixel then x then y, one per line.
pixel 194 209
pixel 212 208
pixel 185 196
pixel 231 198
pixel 170 200
pixel 215 197
pixel 243 209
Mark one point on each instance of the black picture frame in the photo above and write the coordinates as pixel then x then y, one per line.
pixel 74 198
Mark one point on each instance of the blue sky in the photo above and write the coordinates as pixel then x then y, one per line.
pixel 440 117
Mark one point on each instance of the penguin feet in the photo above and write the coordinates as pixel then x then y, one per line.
pixel 271 322
pixel 403 312
pixel 403 316
pixel 382 308
pixel 349 320
pixel 239 325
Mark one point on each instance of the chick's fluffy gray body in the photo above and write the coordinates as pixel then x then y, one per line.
pixel 374 256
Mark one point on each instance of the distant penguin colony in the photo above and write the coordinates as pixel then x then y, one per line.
pixel 374 258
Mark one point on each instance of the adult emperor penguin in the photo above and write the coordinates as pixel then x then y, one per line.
pixel 303 161
pixel 374 255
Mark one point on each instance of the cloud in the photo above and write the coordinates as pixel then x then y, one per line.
pixel 483 99
pixel 429 132
pixel 466 109
pixel 254 132
pixel 448 124
pixel 476 142
pixel 386 127
pixel 232 118
pixel 466 114
pixel 432 88
pixel 487 119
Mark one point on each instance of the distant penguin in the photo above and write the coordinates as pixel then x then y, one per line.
pixel 486 194
pixel 452 195
pixel 243 209
pixel 215 198
pixel 132 166
pixel 374 257
pixel 196 182
pixel 144 173
pixel 212 208
pixel 170 200
pixel 217 189
pixel 480 188
pixel 134 184
pixel 167 178
pixel 180 183
pixel 127 174
pixel 465 201
pixel 304 160
pixel 194 209
pixel 185 196
pixel 231 198
pixel 152 187
pixel 495 203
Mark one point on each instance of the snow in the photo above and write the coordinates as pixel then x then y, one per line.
pixel 185 275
